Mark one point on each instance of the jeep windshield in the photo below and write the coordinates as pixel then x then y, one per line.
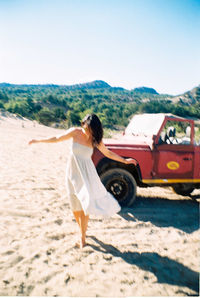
pixel 145 125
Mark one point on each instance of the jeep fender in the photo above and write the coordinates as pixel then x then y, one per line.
pixel 106 164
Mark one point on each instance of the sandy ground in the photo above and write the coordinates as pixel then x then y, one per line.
pixel 150 249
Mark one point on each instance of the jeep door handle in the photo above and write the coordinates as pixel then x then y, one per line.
pixel 187 158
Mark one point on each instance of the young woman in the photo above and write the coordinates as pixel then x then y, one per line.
pixel 86 192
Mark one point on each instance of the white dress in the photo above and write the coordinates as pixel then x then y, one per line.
pixel 85 189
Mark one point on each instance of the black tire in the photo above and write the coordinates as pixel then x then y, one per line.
pixel 121 184
pixel 183 189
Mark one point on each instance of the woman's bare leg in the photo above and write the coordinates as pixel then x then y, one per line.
pixel 77 217
pixel 82 221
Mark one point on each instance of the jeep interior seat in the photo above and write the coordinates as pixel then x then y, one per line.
pixel 170 135
pixel 162 138
pixel 186 139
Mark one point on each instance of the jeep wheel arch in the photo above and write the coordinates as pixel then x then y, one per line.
pixel 121 184
pixel 107 164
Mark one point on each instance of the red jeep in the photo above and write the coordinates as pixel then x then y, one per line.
pixel 167 151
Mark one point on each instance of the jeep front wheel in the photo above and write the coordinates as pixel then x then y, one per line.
pixel 183 189
pixel 121 184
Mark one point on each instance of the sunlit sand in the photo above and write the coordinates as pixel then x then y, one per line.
pixel 150 249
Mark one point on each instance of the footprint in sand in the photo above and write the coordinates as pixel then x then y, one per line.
pixel 57 237
pixel 59 221
pixel 16 261
pixel 9 252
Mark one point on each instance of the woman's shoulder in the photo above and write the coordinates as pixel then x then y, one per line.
pixel 75 130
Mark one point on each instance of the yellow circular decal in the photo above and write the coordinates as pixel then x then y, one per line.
pixel 173 165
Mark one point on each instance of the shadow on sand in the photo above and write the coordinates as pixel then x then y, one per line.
pixel 180 214
pixel 165 269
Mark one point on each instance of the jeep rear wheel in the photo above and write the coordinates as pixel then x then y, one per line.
pixel 183 189
pixel 121 184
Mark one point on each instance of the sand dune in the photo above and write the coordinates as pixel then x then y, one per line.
pixel 150 249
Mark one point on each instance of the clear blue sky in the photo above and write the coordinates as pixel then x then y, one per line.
pixel 127 43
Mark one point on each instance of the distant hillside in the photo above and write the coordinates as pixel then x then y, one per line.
pixel 145 90
pixel 189 97
pixel 91 85
pixel 66 105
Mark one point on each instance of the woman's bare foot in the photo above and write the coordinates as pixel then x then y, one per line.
pixel 81 243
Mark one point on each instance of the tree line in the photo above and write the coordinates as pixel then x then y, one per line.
pixel 66 107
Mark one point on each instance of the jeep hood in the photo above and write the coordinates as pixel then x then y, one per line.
pixel 139 132
pixel 129 141
pixel 145 125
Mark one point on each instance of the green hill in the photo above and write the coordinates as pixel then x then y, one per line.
pixel 145 90
pixel 189 97
pixel 66 105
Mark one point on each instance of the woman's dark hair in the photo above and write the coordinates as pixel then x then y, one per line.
pixel 95 126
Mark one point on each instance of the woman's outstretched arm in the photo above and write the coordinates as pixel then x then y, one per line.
pixel 115 156
pixel 70 133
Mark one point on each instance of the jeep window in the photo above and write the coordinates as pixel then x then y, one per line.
pixel 176 133
pixel 197 134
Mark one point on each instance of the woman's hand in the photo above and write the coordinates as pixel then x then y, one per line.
pixel 129 161
pixel 70 133
pixel 33 142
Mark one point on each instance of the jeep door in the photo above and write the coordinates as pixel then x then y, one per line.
pixel 174 152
